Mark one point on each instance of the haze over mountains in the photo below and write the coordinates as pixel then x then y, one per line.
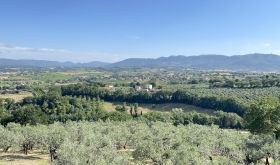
pixel 7 63
pixel 249 62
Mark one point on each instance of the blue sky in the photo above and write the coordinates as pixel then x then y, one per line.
pixel 111 30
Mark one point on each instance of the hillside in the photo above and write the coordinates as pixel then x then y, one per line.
pixel 7 63
pixel 249 62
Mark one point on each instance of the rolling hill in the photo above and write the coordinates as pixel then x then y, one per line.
pixel 7 63
pixel 249 62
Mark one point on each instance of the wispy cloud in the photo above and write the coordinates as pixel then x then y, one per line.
pixel 266 44
pixel 12 48
pixel 21 52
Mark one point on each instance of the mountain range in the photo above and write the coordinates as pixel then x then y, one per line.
pixel 7 63
pixel 249 62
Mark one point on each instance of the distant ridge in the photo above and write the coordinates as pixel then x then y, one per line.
pixel 6 63
pixel 250 62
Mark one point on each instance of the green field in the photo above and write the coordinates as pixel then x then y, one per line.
pixel 169 106
pixel 160 107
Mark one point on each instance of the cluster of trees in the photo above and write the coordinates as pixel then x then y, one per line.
pixel 222 119
pixel 52 106
pixel 137 142
pixel 257 82
pixel 48 109
pixel 33 114
pixel 81 102
pixel 217 103
pixel 263 117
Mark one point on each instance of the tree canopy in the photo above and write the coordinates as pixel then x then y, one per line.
pixel 264 116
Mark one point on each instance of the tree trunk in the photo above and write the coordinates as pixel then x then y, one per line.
pixel 267 161
pixel 7 148
pixel 248 160
pixel 25 148
pixel 53 154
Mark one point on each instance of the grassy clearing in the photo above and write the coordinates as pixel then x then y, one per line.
pixel 17 158
pixel 17 97
pixel 168 107
pixel 160 107
pixel 110 107
pixel 50 76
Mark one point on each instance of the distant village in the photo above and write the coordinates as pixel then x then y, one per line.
pixel 139 88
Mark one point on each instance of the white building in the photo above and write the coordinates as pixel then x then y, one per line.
pixel 138 88
pixel 149 86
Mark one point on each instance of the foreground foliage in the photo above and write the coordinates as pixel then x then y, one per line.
pixel 137 142
pixel 263 116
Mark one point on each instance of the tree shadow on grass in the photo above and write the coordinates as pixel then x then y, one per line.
pixel 18 157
